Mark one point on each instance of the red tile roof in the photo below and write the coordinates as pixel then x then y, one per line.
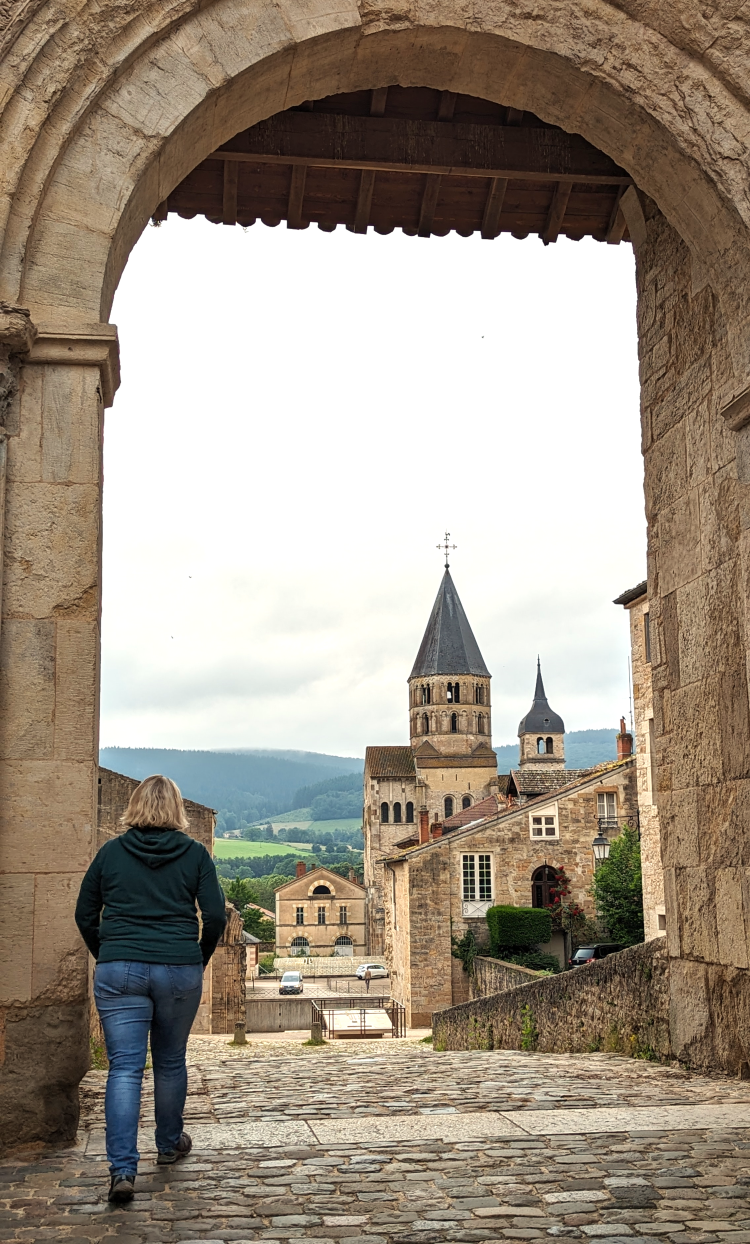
pixel 477 812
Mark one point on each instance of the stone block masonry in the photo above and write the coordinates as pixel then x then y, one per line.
pixel 619 1004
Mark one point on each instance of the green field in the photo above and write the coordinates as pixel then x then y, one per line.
pixel 297 816
pixel 327 827
pixel 232 848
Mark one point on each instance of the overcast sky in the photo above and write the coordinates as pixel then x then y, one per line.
pixel 302 415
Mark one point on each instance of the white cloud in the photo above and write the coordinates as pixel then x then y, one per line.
pixel 301 416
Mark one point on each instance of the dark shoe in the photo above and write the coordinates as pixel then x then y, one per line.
pixel 121 1189
pixel 181 1150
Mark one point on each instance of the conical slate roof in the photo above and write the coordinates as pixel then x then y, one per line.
pixel 540 717
pixel 449 646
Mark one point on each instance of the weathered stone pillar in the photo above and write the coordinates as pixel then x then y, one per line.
pixel 49 690
pixel 698 590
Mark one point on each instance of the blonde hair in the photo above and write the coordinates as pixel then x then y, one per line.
pixel 156 804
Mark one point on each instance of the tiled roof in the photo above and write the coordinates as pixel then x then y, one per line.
pixel 633 593
pixel 389 762
pixel 477 812
pixel 504 781
pixel 533 781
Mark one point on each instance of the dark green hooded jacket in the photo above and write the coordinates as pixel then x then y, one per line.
pixel 147 882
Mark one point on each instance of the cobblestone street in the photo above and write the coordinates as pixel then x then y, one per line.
pixel 392 1143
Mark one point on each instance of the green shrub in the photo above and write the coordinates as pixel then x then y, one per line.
pixel 537 960
pixel 518 926
pixel 265 963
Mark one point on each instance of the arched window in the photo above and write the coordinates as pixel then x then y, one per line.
pixel 449 693
pixel 480 723
pixel 543 880
pixel 454 723
pixel 299 946
pixel 540 746
pixel 425 724
pixel 550 747
pixel 321 889
pixel 448 805
pixel 343 946
pixel 410 814
pixel 397 814
pixel 384 813
pixel 466 802
pixel 456 693
pixel 425 695
pixel 478 694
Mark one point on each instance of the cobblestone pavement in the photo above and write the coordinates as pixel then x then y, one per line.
pixel 402 1145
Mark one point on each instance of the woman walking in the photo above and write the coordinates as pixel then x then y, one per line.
pixel 136 912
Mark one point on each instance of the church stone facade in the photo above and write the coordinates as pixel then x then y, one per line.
pixel 449 764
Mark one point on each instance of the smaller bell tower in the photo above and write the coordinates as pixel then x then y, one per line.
pixel 541 732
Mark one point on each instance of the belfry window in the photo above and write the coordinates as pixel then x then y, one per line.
pixel 384 813
pixel 454 723
pixel 449 693
pixel 410 814
pixel 478 694
pixel 549 747
pixel 540 747
pixel 448 806
pixel 425 724
pixel 456 693
pixel 397 814
pixel 425 695
pixel 480 723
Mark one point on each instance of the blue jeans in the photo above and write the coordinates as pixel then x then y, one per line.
pixel 131 998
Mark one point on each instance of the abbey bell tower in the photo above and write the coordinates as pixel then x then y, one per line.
pixel 449 686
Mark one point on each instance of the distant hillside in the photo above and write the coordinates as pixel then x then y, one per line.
pixel 250 784
pixel 583 749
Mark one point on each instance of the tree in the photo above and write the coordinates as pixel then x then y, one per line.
pixel 618 890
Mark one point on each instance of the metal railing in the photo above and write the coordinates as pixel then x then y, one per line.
pixel 324 1013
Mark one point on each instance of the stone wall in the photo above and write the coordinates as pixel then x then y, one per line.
pixel 228 972
pixel 492 976
pixel 620 1003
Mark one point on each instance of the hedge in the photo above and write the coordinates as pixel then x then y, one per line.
pixel 519 926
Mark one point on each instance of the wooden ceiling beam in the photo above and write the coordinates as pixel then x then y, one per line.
pixel 493 207
pixel 364 201
pixel 429 205
pixel 378 101
pixel 519 152
pixel 447 105
pixel 617 223
pixel 294 218
pixel 556 214
pixel 229 194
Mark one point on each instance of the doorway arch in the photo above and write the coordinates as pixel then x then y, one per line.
pixel 129 108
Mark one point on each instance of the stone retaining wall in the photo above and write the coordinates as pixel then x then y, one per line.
pixel 493 976
pixel 619 1004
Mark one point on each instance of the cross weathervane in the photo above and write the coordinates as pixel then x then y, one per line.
pixel 446 547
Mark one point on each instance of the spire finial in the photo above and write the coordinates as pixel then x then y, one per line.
pixel 446 547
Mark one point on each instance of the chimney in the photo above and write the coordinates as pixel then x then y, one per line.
pixel 424 825
pixel 301 868
pixel 624 741
pixel 437 829
pixel 352 875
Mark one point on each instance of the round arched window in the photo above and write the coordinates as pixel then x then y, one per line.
pixel 543 880
pixel 300 946
pixel 448 805
pixel 321 889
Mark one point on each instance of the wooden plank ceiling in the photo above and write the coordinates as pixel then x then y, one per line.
pixel 409 158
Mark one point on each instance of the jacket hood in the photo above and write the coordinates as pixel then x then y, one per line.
pixel 155 847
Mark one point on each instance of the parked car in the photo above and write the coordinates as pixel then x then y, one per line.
pixel 377 971
pixel 589 954
pixel 291 982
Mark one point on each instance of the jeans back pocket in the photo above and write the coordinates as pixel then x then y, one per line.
pixel 111 979
pixel 186 979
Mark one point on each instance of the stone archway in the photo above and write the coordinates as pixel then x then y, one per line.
pixel 104 113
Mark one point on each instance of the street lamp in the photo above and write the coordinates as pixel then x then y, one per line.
pixel 600 847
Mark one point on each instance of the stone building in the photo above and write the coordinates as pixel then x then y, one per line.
pixel 642 644
pixel 318 912
pixel 444 884
pixel 223 998
pixel 449 764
